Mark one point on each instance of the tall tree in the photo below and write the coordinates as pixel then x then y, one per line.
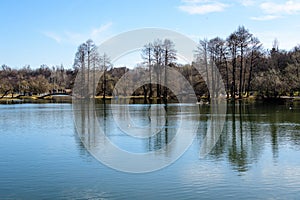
pixel 105 65
pixel 217 53
pixel 243 38
pixel 147 56
pixel 202 58
pixel 232 42
pixel 86 52
pixel 255 48
pixel 169 54
pixel 158 63
pixel 79 64
pixel 296 59
pixel 90 48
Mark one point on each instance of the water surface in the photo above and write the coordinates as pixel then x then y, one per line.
pixel 257 156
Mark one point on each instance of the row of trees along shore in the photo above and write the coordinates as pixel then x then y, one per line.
pixel 245 66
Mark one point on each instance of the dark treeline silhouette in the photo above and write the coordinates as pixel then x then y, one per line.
pixel 245 66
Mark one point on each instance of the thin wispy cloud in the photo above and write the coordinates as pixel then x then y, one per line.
pixel 76 38
pixel 265 17
pixel 247 3
pixel 101 29
pixel 274 10
pixel 195 1
pixel 53 36
pixel 287 8
pixel 201 7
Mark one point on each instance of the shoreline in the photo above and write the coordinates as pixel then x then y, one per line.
pixel 68 98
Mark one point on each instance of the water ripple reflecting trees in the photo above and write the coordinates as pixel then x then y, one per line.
pixel 250 130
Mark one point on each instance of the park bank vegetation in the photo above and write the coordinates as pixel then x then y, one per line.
pixel 247 69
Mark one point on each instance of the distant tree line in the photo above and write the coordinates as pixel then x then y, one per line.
pixel 28 81
pixel 245 66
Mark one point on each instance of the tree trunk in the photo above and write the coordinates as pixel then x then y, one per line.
pixel 241 74
pixel 206 68
pixel 150 70
pixel 244 77
pixel 157 84
pixel 250 74
pixel 145 94
pixel 88 75
pixel 165 81
pixel 227 78
pixel 104 84
pixel 94 81
pixel 233 74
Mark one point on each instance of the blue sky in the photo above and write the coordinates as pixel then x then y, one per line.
pixel 48 32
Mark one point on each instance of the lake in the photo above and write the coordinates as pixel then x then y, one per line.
pixel 43 153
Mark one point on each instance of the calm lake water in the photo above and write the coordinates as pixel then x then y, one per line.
pixel 256 157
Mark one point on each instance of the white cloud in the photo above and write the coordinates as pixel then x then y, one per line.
pixel 288 8
pixel 70 37
pixel 202 6
pixel 101 29
pixel 247 3
pixel 195 1
pixel 265 17
pixel 274 10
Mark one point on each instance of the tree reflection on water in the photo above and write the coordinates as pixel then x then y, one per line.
pixel 248 129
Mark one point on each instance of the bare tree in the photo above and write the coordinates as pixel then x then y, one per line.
pixel 91 51
pixel 147 56
pixel 202 57
pixel 79 64
pixel 169 54
pixel 86 53
pixel 105 65
pixel 255 48
pixel 158 61
pixel 217 53
pixel 243 38
pixel 232 43
pixel 158 55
